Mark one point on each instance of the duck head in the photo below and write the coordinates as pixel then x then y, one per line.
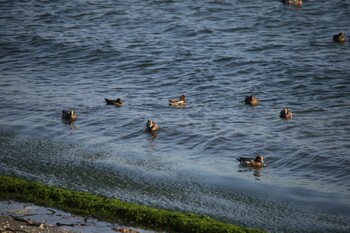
pixel 118 102
pixel 285 111
pixel 183 98
pixel 259 159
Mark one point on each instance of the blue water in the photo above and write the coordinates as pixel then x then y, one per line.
pixel 57 55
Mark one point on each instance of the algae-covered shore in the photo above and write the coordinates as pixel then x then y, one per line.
pixel 110 209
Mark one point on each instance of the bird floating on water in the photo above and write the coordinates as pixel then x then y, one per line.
pixel 118 102
pixel 252 100
pixel 251 162
pixel 293 2
pixel 69 115
pixel 340 37
pixel 180 102
pixel 151 126
pixel 286 114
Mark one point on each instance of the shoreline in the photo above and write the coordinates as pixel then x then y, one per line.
pixel 111 209
pixel 21 216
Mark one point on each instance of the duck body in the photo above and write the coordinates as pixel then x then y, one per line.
pixel 151 126
pixel 286 114
pixel 118 102
pixel 251 100
pixel 180 102
pixel 293 2
pixel 69 115
pixel 339 37
pixel 258 161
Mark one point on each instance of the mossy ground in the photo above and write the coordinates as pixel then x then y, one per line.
pixel 110 209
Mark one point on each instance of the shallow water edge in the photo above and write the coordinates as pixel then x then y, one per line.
pixel 111 209
pixel 150 180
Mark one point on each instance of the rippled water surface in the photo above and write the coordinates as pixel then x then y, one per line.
pixel 58 55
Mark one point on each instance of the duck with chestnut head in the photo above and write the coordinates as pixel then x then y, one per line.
pixel 257 162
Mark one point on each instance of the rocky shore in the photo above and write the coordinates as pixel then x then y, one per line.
pixel 12 224
pixel 27 217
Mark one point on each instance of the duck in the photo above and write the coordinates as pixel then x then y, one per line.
pixel 252 100
pixel 180 102
pixel 286 114
pixel 251 162
pixel 293 2
pixel 151 126
pixel 339 37
pixel 118 102
pixel 69 115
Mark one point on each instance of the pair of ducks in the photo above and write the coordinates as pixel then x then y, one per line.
pixel 253 101
pixel 258 162
pixel 71 116
pixel 173 102
pixel 336 37
pixel 340 37
pixel 151 126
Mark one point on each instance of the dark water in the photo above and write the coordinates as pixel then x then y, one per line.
pixel 56 55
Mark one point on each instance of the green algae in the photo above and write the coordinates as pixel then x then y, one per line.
pixel 110 209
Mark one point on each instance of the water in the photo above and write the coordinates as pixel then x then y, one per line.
pixel 73 54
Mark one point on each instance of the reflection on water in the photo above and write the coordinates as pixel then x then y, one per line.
pixel 69 122
pixel 153 135
pixel 256 171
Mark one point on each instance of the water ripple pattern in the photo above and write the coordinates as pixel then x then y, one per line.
pixel 57 55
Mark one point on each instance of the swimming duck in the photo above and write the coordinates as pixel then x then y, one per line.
pixel 339 37
pixel 257 162
pixel 68 115
pixel 285 114
pixel 180 102
pixel 293 2
pixel 151 126
pixel 252 100
pixel 118 102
